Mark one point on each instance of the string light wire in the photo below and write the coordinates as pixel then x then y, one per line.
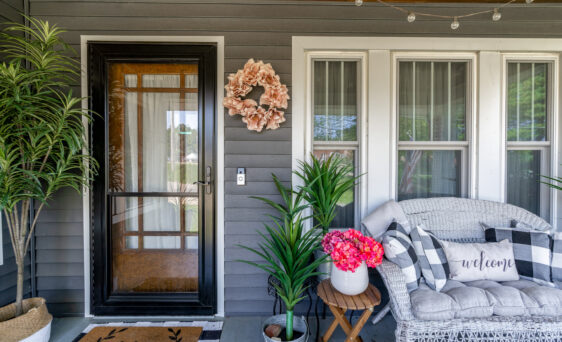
pixel 432 15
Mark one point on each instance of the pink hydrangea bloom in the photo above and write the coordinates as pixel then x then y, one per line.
pixel 350 248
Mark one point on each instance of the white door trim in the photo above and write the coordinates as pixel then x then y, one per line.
pixel 219 40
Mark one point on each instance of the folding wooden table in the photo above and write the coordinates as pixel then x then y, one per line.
pixel 340 303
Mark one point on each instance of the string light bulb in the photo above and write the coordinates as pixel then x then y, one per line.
pixel 411 17
pixel 455 24
pixel 358 2
pixel 497 15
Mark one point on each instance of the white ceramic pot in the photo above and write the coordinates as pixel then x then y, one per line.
pixel 350 283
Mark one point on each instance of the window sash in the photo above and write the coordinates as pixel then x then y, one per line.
pixel 325 98
pixel 432 110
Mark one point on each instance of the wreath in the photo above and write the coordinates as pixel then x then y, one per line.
pixel 275 96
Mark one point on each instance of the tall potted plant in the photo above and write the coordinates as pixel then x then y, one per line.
pixel 326 180
pixel 287 251
pixel 42 140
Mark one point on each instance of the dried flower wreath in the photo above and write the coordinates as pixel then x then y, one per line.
pixel 275 95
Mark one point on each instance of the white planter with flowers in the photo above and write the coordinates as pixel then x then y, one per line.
pixel 352 253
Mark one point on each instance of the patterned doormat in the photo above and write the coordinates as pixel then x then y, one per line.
pixel 200 331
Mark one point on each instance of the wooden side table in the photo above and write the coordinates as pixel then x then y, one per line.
pixel 340 303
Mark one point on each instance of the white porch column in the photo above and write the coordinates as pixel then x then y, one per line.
pixel 381 136
pixel 490 136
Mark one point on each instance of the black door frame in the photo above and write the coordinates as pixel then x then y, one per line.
pixel 102 301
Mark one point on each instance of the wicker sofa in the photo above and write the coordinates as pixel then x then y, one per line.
pixel 458 219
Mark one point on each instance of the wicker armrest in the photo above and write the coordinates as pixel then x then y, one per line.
pixel 396 284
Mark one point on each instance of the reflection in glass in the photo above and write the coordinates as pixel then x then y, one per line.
pixel 345 211
pixel 335 100
pixel 527 101
pixel 432 101
pixel 523 176
pixel 423 174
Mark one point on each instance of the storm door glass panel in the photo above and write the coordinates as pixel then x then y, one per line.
pixel 153 163
pixel 528 143
pixel 432 119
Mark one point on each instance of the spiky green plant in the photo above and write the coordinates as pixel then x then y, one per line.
pixel 553 182
pixel 287 249
pixel 325 180
pixel 42 134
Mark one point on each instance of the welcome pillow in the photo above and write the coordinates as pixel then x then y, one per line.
pixel 481 261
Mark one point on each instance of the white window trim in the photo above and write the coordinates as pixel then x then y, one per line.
pixel 489 146
pixel 549 147
pixel 468 172
pixel 308 137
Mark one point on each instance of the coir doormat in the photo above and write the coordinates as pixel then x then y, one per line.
pixel 152 332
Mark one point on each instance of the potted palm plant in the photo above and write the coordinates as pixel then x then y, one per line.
pixel 286 249
pixel 42 140
pixel 326 180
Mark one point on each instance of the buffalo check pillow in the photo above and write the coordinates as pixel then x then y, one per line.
pixel 556 264
pixel 531 250
pixel 431 256
pixel 398 248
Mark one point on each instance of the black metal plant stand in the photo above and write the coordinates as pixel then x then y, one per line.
pixel 310 284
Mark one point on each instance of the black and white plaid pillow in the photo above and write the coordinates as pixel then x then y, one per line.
pixel 556 264
pixel 431 256
pixel 531 250
pixel 398 248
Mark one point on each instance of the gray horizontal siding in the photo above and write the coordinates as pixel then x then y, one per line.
pixel 257 29
pixel 10 12
pixel 60 254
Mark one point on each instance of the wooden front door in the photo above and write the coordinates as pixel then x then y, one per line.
pixel 154 220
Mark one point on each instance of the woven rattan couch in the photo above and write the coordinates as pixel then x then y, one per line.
pixel 458 219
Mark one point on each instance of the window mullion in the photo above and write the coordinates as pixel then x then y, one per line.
pixel 341 101
pixel 414 101
pixel 431 105
pixel 326 103
pixel 449 101
pixel 533 101
pixel 518 96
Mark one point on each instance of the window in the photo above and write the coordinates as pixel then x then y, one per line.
pixel 433 105
pixel 528 144
pixel 335 116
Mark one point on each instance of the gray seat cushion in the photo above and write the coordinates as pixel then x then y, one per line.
pixel 484 298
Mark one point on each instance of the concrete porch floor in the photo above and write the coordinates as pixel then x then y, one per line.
pixel 235 329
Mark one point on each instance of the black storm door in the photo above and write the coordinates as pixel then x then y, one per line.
pixel 153 200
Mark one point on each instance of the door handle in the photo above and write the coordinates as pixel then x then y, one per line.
pixel 207 182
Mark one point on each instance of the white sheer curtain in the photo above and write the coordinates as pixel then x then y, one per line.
pixel 160 160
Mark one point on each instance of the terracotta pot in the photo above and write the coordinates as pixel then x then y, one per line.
pixel 33 326
pixel 350 283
